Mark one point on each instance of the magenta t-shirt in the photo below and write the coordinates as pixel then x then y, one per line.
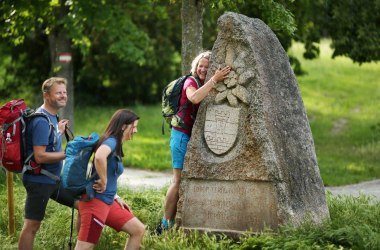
pixel 191 110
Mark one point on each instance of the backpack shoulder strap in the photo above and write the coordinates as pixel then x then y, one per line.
pixel 197 80
pixel 184 108
pixel 30 115
pixel 40 113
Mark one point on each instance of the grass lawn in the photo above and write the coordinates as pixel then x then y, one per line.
pixel 354 224
pixel 342 103
pixel 149 149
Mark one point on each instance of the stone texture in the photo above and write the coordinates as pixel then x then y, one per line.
pixel 243 200
pixel 251 160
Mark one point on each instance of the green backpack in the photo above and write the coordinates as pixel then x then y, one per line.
pixel 171 96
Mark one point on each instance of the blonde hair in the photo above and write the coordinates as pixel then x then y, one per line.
pixel 46 86
pixel 194 64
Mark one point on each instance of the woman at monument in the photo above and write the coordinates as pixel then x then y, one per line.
pixel 106 208
pixel 195 89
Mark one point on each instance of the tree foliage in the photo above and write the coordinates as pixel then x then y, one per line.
pixel 275 14
pixel 124 52
pixel 113 24
pixel 122 80
pixel 354 29
pixel 117 45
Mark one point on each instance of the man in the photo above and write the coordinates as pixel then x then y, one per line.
pixel 45 143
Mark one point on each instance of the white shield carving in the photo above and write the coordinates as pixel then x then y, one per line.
pixel 221 128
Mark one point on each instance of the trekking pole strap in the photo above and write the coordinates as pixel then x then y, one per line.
pixel 69 134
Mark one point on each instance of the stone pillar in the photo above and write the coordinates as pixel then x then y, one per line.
pixel 251 160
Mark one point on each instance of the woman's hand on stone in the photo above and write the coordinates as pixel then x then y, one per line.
pixel 221 74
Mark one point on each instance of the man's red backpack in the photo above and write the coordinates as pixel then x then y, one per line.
pixel 12 125
pixel 14 117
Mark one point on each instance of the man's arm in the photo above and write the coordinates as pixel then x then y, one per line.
pixel 41 156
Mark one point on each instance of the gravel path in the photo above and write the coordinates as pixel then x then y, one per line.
pixel 367 187
pixel 142 179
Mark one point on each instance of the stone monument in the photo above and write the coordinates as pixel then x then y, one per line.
pixel 251 162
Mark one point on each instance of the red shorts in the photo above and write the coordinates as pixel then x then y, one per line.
pixel 95 214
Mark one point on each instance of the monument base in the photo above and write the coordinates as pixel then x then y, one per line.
pixel 234 206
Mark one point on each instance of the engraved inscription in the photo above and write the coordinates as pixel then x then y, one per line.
pixel 221 128
pixel 230 205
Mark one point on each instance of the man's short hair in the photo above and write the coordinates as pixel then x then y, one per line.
pixel 49 82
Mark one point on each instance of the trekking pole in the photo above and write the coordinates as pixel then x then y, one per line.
pixel 71 228
pixel 11 206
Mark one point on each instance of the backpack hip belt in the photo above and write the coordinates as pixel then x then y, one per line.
pixel 32 167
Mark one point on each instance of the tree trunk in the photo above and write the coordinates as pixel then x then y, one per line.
pixel 192 31
pixel 62 63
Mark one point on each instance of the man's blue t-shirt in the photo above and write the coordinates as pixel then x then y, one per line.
pixel 114 170
pixel 38 134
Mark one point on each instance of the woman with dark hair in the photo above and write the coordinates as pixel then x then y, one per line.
pixel 107 208
pixel 194 90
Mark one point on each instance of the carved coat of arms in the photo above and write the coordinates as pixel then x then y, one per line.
pixel 221 128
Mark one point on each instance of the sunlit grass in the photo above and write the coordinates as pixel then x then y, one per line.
pixel 149 149
pixel 341 99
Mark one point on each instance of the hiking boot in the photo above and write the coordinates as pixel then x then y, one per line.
pixel 164 225
pixel 160 228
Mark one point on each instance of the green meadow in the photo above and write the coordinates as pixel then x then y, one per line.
pixel 342 103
